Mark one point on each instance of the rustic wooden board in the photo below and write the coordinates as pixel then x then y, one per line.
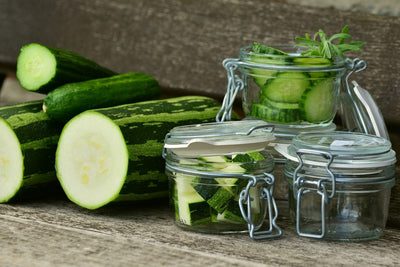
pixel 183 42
pixel 57 232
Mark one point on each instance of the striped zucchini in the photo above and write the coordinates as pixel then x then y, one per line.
pixel 28 132
pixel 41 68
pixel 95 169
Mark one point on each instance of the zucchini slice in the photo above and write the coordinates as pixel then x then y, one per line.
pixel 11 162
pixel 91 160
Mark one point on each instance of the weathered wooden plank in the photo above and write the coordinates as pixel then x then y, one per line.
pixel 59 233
pixel 182 43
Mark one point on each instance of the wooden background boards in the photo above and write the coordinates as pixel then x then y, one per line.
pixel 182 44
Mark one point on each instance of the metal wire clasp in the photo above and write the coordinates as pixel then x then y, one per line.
pixel 267 193
pixel 303 186
pixel 235 84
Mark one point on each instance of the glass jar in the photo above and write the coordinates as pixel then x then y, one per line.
pixel 221 178
pixel 285 89
pixel 339 184
pixel 284 135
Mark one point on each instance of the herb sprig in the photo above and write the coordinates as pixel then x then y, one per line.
pixel 325 47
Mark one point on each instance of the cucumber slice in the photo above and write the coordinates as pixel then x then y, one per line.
pixel 286 87
pixel 91 160
pixel 313 61
pixel 318 102
pixel 281 105
pixel 269 113
pixel 261 76
pixel 11 162
pixel 265 49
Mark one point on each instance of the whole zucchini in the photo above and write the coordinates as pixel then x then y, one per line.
pixel 71 99
pixel 115 153
pixel 41 68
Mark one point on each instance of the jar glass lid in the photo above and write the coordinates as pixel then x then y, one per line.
pixel 343 143
pixel 350 150
pixel 219 137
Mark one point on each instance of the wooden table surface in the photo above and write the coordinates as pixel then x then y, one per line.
pixel 56 232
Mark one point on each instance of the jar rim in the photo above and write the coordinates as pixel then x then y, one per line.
pixel 219 137
pixel 292 61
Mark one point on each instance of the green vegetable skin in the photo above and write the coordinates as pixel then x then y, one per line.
pixel 95 168
pixel 290 96
pixel 28 142
pixel 41 68
pixel 202 201
pixel 71 99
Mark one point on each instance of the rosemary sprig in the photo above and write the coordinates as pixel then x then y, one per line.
pixel 322 46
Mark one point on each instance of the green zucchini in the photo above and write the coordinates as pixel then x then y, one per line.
pixel 70 99
pixel 139 169
pixel 41 68
pixel 27 152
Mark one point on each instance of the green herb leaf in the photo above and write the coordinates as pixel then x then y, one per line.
pixel 325 47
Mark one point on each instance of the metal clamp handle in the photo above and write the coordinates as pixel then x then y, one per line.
pixel 272 207
pixel 235 84
pixel 302 186
pixel 355 66
pixel 300 194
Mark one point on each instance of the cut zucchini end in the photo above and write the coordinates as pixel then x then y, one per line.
pixel 91 160
pixel 11 163
pixel 36 66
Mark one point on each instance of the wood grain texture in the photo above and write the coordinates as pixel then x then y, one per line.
pixel 144 235
pixel 183 42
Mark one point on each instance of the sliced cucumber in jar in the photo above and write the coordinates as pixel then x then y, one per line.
pixel 286 87
pixel 318 102
pixel 269 113
pixel 265 55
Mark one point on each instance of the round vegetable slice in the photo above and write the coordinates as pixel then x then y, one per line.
pixel 318 102
pixel 286 87
pixel 91 160
pixel 11 162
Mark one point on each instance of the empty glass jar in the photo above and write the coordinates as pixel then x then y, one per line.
pixel 339 184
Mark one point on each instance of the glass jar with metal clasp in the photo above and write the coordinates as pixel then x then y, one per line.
pixel 297 94
pixel 339 184
pixel 221 178
pixel 285 88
